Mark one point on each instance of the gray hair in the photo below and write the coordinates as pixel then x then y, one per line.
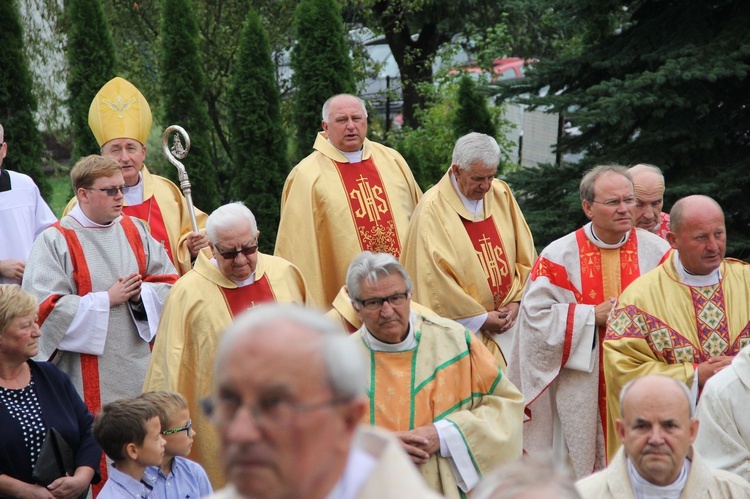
pixel 2 134
pixel 677 215
pixel 341 357
pixel 327 105
pixel 586 189
pixel 370 267
pixel 476 148
pixel 645 167
pixel 528 477
pixel 683 387
pixel 227 216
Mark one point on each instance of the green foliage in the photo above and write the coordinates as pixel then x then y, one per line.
pixel 548 197
pixel 666 83
pixel 428 149
pixel 472 114
pixel 321 63
pixel 183 86
pixel 17 102
pixel 258 141
pixel 91 64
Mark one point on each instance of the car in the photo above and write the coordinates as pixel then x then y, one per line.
pixel 507 68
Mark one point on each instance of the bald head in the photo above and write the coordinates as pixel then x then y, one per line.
pixel 656 427
pixel 698 233
pixel 648 184
pixel 689 206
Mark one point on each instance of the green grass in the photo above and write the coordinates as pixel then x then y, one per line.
pixel 61 193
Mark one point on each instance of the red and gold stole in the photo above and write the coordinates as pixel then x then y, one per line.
pixel 489 248
pixel 150 213
pixel 369 206
pixel 246 297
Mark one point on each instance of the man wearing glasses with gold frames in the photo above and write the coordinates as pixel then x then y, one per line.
pixel 203 302
pixel 556 358
pixel 431 381
pixel 287 401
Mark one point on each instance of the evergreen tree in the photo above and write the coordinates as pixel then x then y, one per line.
pixel 321 63
pixel 182 87
pixel 259 166
pixel 91 62
pixel 17 102
pixel 662 82
pixel 472 114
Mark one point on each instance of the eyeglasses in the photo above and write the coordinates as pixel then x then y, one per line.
pixel 271 413
pixel 110 191
pixel 231 255
pixel 615 203
pixel 395 300
pixel 177 430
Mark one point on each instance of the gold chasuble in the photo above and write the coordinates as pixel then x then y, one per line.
pixel 198 308
pixel 663 326
pixel 332 210
pixel 442 237
pixel 165 212
pixel 448 376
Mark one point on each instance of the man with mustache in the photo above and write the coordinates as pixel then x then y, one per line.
pixel 657 427
pixel 685 319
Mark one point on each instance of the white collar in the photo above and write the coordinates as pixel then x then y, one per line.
pixel 476 208
pixel 409 342
pixel 693 279
pixel 82 219
pixel 359 467
pixel 239 284
pixel 134 196
pixel 352 157
pixel 643 489
pixel 589 230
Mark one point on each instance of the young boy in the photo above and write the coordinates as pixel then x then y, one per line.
pixel 129 431
pixel 177 477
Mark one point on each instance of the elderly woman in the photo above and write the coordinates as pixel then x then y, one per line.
pixel 35 396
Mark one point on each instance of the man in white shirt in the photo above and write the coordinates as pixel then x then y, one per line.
pixel 23 216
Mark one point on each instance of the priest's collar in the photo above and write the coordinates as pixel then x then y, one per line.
pixel 476 208
pixel 134 195
pixel 239 284
pixel 589 230
pixel 352 157
pixel 643 489
pixel 409 342
pixel 82 219
pixel 687 277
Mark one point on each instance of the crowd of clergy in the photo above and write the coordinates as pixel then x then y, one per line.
pixel 397 343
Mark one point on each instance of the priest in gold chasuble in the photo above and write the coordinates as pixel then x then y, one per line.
pixel 203 303
pixel 432 382
pixel 349 195
pixel 468 247
pixel 687 318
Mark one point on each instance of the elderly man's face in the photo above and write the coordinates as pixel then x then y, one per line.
pixel 281 432
pixel 656 429
pixel 347 124
pixel 649 193
pixel 389 323
pixel 475 181
pixel 130 154
pixel 3 148
pixel 609 212
pixel 236 251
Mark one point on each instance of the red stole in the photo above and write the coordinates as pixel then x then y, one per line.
pixel 82 280
pixel 247 297
pixel 489 248
pixel 150 213
pixel 370 208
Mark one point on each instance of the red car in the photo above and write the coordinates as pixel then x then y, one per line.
pixel 508 68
